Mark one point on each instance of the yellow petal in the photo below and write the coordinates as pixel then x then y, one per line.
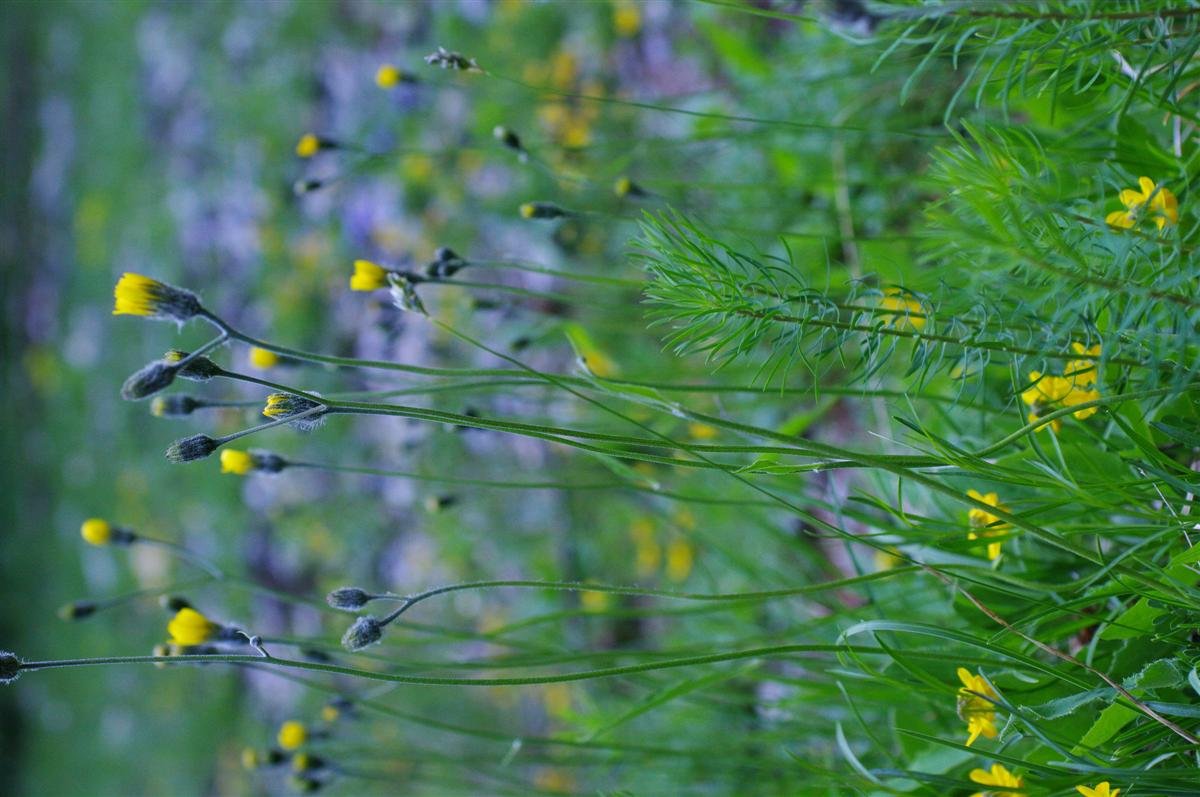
pixel 1132 199
pixel 1147 185
pixel 1120 218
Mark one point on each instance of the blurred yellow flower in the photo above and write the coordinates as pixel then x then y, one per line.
pixel 901 310
pixel 627 18
pixel 594 601
pixel 96 531
pixel 998 776
pixel 190 627
pixel 988 523
pixel 679 559
pixel 307 146
pixel 1101 789
pixel 702 431
pixel 368 276
pixel 292 735
pixel 973 708
pixel 236 462
pixel 330 713
pixel 263 359
pixel 387 76
pixel 1164 207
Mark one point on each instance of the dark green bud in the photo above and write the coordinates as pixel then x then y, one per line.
pixel 148 381
pixel 198 446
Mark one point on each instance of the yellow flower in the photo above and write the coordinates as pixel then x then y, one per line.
pixel 627 18
pixel 702 431
pixel 330 713
pixel 292 735
pixel 96 531
pixel 998 776
pixel 902 311
pixel 679 559
pixel 136 294
pixel 1082 372
pixel 973 708
pixel 308 145
pixel 236 462
pixel 263 359
pixel 387 76
pixel 1164 207
pixel 368 276
pixel 527 210
pixel 190 627
pixel 1099 790
pixel 988 523
pixel 594 601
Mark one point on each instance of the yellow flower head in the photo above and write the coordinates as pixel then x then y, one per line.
pixel 96 531
pixel 251 759
pixel 679 559
pixel 987 523
pixel 308 145
pixel 627 18
pixel 292 735
pixel 236 462
pixel 387 76
pixel 998 776
pixel 622 187
pixel 368 276
pixel 702 431
pixel 330 713
pixel 263 359
pixel 527 210
pixel 189 627
pixel 901 311
pixel 975 708
pixel 1162 204
pixel 136 294
pixel 1082 372
pixel 1099 790
pixel 594 601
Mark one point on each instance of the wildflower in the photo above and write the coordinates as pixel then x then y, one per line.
pixel 679 559
pixel 365 631
pixel 976 707
pixel 1101 789
pixel 508 138
pixel 175 406
pixel 541 210
pixel 447 59
pixel 998 776
pixel 594 601
pixel 368 276
pixel 240 463
pixel 902 311
pixel 253 759
pixel 100 532
pixel 198 369
pixel 989 524
pixel 10 667
pixel 332 711
pixel 263 359
pixel 1164 207
pixel 135 294
pixel 304 762
pixel 702 431
pixel 189 627
pixel 627 18
pixel 292 735
pixel 388 76
pixel 236 462
pixel 286 405
pixel 307 146
pixel 348 599
pixel 404 295
pixel 148 380
pixel 624 187
pixel 77 610
pixel 189 449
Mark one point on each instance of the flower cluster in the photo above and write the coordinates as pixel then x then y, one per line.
pixel 1076 385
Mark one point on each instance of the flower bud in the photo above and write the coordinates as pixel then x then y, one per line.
pixel 174 406
pixel 136 294
pixel 148 381
pixel 10 667
pixel 77 610
pixel 542 210
pixel 198 446
pixel 200 369
pixel 366 631
pixel 348 599
pixel 448 59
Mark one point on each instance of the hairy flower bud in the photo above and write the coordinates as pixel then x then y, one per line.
pixel 200 369
pixel 10 667
pixel 148 380
pixel 176 406
pixel 77 610
pixel 365 631
pixel 198 446
pixel 348 599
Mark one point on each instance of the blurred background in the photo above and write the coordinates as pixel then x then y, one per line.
pixel 160 138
